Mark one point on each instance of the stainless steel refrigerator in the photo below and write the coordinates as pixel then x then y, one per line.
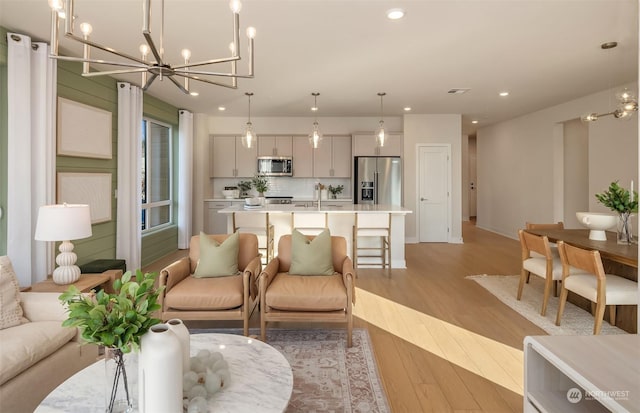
pixel 378 180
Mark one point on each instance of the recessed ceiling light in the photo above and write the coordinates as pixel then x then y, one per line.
pixel 503 94
pixel 407 109
pixel 474 121
pixel 314 108
pixel 221 108
pixel 395 14
pixel 194 93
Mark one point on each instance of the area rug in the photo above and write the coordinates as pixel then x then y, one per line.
pixel 327 376
pixel 575 320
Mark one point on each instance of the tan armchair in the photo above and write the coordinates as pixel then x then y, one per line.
pixel 218 298
pixel 307 298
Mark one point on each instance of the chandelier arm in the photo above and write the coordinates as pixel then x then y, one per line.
pixel 149 81
pixel 152 46
pixel 198 72
pixel 114 72
pixel 199 79
pixel 175 82
pixel 100 61
pixel 101 47
pixel 207 62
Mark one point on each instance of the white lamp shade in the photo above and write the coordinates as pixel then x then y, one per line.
pixel 63 222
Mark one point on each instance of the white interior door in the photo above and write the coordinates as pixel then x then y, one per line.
pixel 433 196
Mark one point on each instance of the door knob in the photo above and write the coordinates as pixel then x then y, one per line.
pixel 423 199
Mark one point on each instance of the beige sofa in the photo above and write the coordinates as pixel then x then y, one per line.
pixel 39 354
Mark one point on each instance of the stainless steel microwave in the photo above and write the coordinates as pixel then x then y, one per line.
pixel 275 165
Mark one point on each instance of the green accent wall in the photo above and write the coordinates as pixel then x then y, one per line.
pixel 99 92
pixel 4 139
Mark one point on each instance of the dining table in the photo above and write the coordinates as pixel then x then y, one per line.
pixel 619 259
pixel 626 254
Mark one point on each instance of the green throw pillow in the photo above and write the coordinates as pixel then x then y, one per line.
pixel 218 260
pixel 311 257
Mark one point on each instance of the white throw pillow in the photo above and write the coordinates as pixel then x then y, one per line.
pixel 10 309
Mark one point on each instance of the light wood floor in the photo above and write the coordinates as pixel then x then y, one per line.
pixel 442 343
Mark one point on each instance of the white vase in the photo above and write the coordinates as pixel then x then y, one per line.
pixel 182 332
pixel 160 371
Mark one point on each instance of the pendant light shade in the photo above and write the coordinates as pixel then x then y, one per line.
pixel 381 133
pixel 315 136
pixel 249 136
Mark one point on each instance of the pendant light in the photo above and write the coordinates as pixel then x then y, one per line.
pixel 381 134
pixel 249 136
pixel 315 136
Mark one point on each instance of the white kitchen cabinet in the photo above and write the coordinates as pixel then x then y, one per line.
pixel 302 157
pixel 365 145
pixel 275 145
pixel 214 222
pixel 581 373
pixel 332 159
pixel 229 159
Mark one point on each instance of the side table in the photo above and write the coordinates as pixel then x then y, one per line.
pixel 86 283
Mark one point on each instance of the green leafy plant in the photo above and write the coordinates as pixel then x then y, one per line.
pixel 260 183
pixel 117 320
pixel 245 187
pixel 619 199
pixel 335 190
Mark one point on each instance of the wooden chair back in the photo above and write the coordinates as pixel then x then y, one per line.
pixel 586 260
pixel 536 243
pixel 531 225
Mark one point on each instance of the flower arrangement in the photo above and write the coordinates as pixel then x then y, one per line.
pixel 335 190
pixel 260 183
pixel 619 199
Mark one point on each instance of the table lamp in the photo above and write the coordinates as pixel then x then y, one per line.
pixel 64 223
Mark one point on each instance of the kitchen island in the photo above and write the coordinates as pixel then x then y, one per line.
pixel 340 219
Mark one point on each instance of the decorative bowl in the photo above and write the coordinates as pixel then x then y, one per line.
pixel 597 222
pixel 253 201
pixel 231 193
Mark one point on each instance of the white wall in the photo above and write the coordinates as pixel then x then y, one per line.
pixel 518 169
pixel 445 129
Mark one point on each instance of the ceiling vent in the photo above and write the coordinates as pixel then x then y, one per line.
pixel 458 91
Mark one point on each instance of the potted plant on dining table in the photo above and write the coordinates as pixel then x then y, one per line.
pixel 624 203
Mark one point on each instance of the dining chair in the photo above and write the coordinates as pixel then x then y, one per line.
pixel 554 248
pixel 593 284
pixel 546 264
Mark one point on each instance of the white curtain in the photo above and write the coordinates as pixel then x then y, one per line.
pixel 129 223
pixel 31 90
pixel 185 177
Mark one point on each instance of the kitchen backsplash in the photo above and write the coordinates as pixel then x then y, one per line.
pixel 284 186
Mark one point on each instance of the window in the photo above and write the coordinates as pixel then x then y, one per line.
pixel 156 175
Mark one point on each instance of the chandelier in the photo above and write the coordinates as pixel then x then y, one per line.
pixel 381 134
pixel 249 136
pixel 315 137
pixel 627 105
pixel 156 66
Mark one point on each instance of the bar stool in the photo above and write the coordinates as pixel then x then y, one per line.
pixel 377 228
pixel 256 223
pixel 309 223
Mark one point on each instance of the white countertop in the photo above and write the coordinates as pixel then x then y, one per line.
pixel 295 199
pixel 343 209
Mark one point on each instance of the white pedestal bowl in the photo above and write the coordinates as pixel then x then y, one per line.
pixel 598 223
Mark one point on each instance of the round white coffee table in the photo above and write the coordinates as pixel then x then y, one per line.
pixel 261 379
